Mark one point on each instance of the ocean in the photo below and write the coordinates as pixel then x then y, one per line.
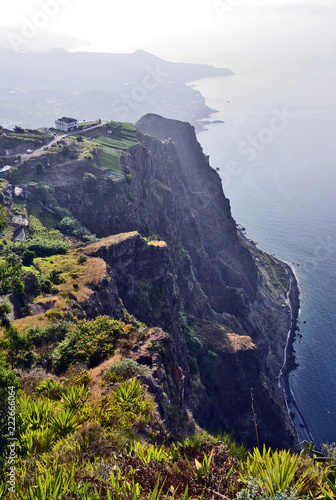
pixel 276 155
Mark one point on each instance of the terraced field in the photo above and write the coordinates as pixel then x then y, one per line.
pixel 124 137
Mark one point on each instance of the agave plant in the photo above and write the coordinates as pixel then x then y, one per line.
pixel 3 491
pixel 274 471
pixel 35 414
pixel 64 422
pixel 147 453
pixel 75 397
pixel 128 392
pixel 35 441
pixel 51 485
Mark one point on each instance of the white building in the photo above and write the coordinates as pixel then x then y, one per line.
pixel 65 124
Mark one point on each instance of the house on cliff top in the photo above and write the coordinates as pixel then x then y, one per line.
pixel 65 124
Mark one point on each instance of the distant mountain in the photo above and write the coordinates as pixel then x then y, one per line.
pixel 37 87
pixel 12 37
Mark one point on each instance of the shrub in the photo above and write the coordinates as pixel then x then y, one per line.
pixel 39 168
pixel 64 422
pixel 82 259
pixel 30 280
pixel 50 388
pixel 45 286
pixel 88 155
pixel 55 277
pixel 125 369
pixel 48 336
pixel 45 243
pixel 53 315
pixel 28 257
pixel 274 471
pixel 35 414
pixel 75 397
pixel 127 406
pixel 89 342
pixel 16 348
pixel 90 181
pixel 69 225
pixel 54 484
pixel 83 378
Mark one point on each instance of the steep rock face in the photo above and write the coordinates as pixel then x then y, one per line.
pixel 143 277
pixel 207 230
pixel 203 271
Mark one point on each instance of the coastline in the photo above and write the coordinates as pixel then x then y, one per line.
pixel 290 364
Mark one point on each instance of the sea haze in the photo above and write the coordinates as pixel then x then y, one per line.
pixel 277 159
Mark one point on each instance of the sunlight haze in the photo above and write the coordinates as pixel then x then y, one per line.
pixel 180 30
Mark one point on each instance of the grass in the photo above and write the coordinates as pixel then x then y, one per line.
pixel 157 243
pixel 109 160
pixel 111 240
pixel 47 219
pixel 86 275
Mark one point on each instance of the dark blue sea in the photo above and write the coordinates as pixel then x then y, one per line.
pixel 276 154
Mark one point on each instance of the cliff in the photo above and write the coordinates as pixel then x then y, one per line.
pixel 220 300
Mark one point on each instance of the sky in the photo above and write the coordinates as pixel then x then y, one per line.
pixel 179 29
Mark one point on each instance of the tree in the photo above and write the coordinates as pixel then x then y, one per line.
pixel 28 257
pixel 88 156
pixel 15 346
pixel 3 219
pixel 10 281
pixel 90 181
pixel 39 168
pixel 45 286
pixel 18 130
pixel 31 282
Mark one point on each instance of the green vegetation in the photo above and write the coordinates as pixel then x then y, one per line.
pixel 89 342
pixel 91 422
pixel 126 369
pixel 275 273
pixel 124 136
pixel 19 136
pixel 108 160
pixel 45 242
pixel 69 225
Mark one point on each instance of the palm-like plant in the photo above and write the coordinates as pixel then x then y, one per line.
pixel 274 471
pixel 51 485
pixel 64 422
pixel 35 441
pixel 75 397
pixel 35 414
pixel 148 453
pixel 3 491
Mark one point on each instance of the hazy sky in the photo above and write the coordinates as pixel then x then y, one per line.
pixel 182 29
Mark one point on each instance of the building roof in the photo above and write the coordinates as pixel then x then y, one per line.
pixel 67 119
pixel 5 168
